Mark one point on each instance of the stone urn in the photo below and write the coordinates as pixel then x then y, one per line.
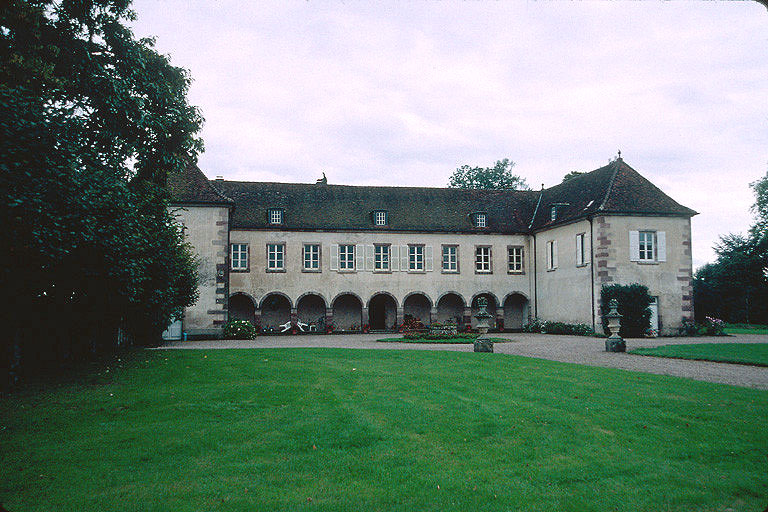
pixel 482 344
pixel 614 343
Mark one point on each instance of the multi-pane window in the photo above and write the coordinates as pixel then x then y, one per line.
pixel 581 253
pixel 275 216
pixel 381 257
pixel 450 258
pixel 239 257
pixel 646 244
pixel 311 257
pixel 483 258
pixel 275 256
pixel 415 257
pixel 380 217
pixel 515 258
pixel 480 220
pixel 346 257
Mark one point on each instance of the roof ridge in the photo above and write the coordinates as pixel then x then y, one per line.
pixel 396 187
pixel 609 188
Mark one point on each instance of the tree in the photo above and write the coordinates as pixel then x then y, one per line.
pixel 91 122
pixel 735 287
pixel 571 175
pixel 633 300
pixel 498 177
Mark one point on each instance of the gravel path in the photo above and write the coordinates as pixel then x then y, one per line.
pixel 567 349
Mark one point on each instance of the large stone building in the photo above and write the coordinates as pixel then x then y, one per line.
pixel 358 255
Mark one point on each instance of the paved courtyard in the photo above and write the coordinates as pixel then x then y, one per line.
pixel 567 349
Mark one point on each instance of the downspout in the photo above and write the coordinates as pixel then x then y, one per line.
pixel 592 269
pixel 535 283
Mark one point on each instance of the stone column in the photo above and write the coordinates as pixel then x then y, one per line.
pixel 432 315
pixel 363 318
pixel 294 316
pixel 328 317
pixel 400 316
pixel 467 320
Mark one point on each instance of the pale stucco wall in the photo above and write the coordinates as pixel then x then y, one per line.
pixel 206 229
pixel 258 283
pixel 670 281
pixel 564 294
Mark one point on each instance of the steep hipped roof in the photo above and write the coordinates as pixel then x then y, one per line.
pixel 190 186
pixel 614 189
pixel 341 207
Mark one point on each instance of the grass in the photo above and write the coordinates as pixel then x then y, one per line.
pixel 456 340
pixel 335 429
pixel 740 353
pixel 746 329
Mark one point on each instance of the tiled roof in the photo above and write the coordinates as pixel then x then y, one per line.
pixel 613 189
pixel 340 207
pixel 190 186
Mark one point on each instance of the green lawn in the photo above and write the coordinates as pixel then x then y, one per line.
pixel 746 329
pixel 334 429
pixel 742 353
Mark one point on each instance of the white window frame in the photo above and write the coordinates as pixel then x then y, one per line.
pixel 552 255
pixel 581 250
pixel 382 258
pixel 275 215
pixel 311 255
pixel 481 220
pixel 416 258
pixel 515 259
pixel 276 257
pixel 346 257
pixel 644 239
pixel 238 257
pixel 483 259
pixel 450 259
pixel 380 218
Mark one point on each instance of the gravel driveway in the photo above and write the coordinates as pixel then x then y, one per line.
pixel 567 349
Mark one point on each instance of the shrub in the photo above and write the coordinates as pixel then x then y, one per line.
pixel 558 328
pixel 427 336
pixel 239 330
pixel 633 306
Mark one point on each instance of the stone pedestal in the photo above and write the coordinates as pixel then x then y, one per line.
pixel 483 345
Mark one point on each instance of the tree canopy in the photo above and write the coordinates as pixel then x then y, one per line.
pixel 498 177
pixel 735 287
pixel 571 175
pixel 91 122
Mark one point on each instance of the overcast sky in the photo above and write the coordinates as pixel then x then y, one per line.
pixel 402 93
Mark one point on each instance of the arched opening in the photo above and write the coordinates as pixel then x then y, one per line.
pixel 515 311
pixel 347 313
pixel 310 308
pixel 275 311
pixel 418 306
pixel 241 307
pixel 382 312
pixel 491 308
pixel 450 309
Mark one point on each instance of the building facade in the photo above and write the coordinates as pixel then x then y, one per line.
pixel 372 257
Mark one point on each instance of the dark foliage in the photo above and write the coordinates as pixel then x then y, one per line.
pixel 498 177
pixel 549 327
pixel 91 122
pixel 633 306
pixel 240 330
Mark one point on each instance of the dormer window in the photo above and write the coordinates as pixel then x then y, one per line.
pixel 480 220
pixel 553 213
pixel 275 215
pixel 380 218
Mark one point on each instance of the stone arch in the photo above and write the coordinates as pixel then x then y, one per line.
pixel 382 292
pixel 515 307
pixel 451 292
pixel 275 310
pixel 419 306
pixel 382 311
pixel 242 306
pixel 347 312
pixel 450 308
pixel 310 307
pixel 493 305
pixel 346 293
pixel 281 294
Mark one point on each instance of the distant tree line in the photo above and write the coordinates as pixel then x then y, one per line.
pixel 735 287
pixel 91 122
